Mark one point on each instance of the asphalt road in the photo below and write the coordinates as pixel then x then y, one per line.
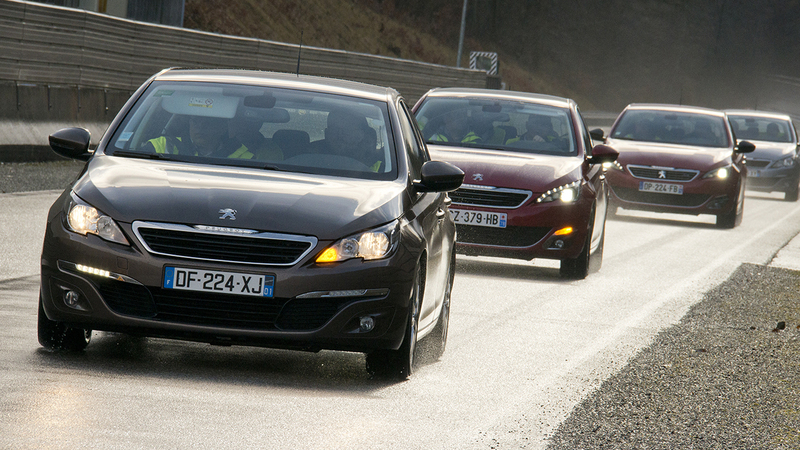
pixel 636 356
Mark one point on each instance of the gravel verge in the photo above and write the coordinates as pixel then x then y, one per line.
pixel 725 377
pixel 38 176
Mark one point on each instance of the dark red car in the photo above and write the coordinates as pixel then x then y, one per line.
pixel 534 187
pixel 678 159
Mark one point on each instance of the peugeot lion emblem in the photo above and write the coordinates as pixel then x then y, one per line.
pixel 661 174
pixel 227 213
pixel 477 177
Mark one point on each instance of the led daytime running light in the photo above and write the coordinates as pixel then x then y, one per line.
pixel 568 193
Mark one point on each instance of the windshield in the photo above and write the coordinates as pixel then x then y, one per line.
pixel 761 129
pixel 279 129
pixel 672 127
pixel 498 124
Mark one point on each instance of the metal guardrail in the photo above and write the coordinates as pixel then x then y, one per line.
pixel 65 67
pixel 48 44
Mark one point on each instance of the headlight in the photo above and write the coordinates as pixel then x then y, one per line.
pixel 567 193
pixel 784 163
pixel 721 173
pixel 612 165
pixel 372 244
pixel 83 218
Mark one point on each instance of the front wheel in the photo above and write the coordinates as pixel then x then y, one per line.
pixel 734 217
pixel 792 193
pixel 56 336
pixel 435 343
pixel 578 268
pixel 399 363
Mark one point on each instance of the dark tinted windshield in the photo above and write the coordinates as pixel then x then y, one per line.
pixel 251 126
pixel 672 127
pixel 761 129
pixel 498 124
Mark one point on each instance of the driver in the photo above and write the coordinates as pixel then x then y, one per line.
pixel 348 134
pixel 208 136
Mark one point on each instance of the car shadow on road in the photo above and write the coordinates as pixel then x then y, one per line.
pixel 118 355
pixel 669 220
pixel 512 269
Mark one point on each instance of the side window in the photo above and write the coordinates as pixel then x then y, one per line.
pixel 587 138
pixel 413 142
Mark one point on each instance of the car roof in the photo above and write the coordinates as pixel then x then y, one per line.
pixel 675 108
pixel 283 80
pixel 501 94
pixel 753 113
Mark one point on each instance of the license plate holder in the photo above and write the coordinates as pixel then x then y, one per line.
pixel 219 282
pixel 661 188
pixel 479 218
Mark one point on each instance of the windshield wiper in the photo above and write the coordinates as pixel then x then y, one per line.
pixel 129 154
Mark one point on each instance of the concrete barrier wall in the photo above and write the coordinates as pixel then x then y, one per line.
pixel 65 67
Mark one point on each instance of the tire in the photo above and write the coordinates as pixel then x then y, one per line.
pixel 734 217
pixel 399 364
pixel 577 268
pixel 596 258
pixel 56 336
pixel 435 343
pixel 792 193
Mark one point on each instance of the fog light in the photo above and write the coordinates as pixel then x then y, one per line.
pixel 366 323
pixel 71 298
pixel 558 243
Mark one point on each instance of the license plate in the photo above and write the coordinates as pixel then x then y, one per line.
pixel 753 173
pixel 219 282
pixel 479 218
pixel 662 188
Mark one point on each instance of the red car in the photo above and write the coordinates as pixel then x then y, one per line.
pixel 534 186
pixel 678 159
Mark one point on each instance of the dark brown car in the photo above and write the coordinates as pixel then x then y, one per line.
pixel 678 159
pixel 249 208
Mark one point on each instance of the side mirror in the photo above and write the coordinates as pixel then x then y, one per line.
pixel 744 147
pixel 439 176
pixel 602 154
pixel 597 134
pixel 72 143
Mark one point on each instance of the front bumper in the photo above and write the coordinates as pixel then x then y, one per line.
pixel 700 196
pixel 530 230
pixel 773 180
pixel 130 297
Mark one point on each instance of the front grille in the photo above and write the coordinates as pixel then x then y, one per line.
pixel 208 309
pixel 653 173
pixel 758 163
pixel 308 314
pixel 223 311
pixel 685 200
pixel 258 248
pixel 506 237
pixel 127 299
pixel 489 196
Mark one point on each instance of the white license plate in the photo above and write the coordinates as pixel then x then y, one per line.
pixel 479 218
pixel 662 188
pixel 220 282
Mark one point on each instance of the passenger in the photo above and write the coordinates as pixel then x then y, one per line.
pixel 455 128
pixel 537 129
pixel 208 136
pixel 348 134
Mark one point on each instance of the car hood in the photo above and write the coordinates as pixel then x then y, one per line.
pixel 533 172
pixel 670 155
pixel 771 150
pixel 322 206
